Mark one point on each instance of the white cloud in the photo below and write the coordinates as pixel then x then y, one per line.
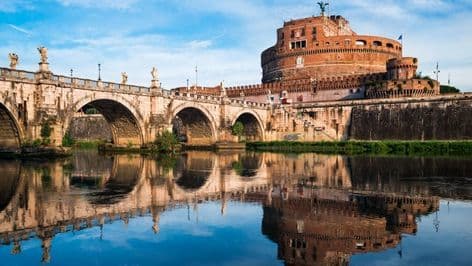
pixel 14 5
pixel 434 30
pixel 113 4
pixel 195 44
pixel 22 30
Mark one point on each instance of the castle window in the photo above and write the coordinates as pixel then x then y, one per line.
pixel 298 44
pixel 327 43
pixel 347 42
pixel 377 43
pixel 313 31
pixel 282 36
pixel 303 32
pixel 389 45
pixel 361 42
pixel 292 34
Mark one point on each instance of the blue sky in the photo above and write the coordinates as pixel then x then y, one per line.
pixel 224 38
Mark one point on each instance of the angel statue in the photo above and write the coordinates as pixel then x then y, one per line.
pixel 323 6
pixel 13 60
pixel 124 78
pixel 155 74
pixel 43 51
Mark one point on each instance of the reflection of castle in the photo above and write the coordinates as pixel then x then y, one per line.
pixel 312 230
pixel 321 200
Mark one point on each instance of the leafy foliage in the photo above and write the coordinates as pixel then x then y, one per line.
pixel 166 142
pixel 46 132
pixel 67 140
pixel 238 129
pixel 387 147
pixel 448 89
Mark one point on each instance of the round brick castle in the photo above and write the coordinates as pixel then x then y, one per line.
pixel 322 59
pixel 319 47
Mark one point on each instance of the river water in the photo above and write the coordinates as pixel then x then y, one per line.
pixel 233 208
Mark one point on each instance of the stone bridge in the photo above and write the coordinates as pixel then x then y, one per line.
pixel 135 114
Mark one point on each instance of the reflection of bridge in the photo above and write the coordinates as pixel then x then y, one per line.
pixel 119 188
pixel 327 202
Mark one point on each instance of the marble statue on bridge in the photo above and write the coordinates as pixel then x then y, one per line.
pixel 155 77
pixel 13 60
pixel 154 73
pixel 124 78
pixel 43 51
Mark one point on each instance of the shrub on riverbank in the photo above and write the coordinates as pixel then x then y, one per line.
pixel 368 147
pixel 166 142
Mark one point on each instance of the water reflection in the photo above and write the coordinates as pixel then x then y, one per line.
pixel 317 209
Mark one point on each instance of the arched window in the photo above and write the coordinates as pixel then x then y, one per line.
pixel 377 43
pixel 389 45
pixel 361 42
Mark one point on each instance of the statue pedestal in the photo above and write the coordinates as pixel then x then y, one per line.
pixel 44 67
pixel 44 72
pixel 155 83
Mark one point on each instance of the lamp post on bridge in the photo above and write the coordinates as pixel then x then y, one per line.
pixel 100 83
pixel 99 72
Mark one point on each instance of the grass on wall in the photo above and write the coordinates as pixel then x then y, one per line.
pixel 368 147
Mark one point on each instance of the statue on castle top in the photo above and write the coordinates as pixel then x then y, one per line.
pixel 222 88
pixel 155 74
pixel 13 60
pixel 43 51
pixel 124 78
pixel 323 6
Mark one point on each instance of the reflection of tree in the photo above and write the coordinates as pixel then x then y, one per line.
pixel 238 167
pixel 247 165
pixel 192 172
pixel 166 162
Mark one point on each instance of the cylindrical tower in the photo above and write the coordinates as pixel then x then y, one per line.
pixel 402 68
pixel 318 47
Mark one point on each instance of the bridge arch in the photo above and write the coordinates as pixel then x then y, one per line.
pixel 126 122
pixel 11 133
pixel 193 124
pixel 253 125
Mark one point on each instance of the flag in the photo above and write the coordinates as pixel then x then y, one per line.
pixel 400 37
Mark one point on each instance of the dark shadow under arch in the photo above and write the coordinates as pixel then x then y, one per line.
pixel 193 127
pixel 124 126
pixel 252 127
pixel 9 133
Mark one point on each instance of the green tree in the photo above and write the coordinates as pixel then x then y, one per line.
pixel 238 129
pixel 448 89
pixel 46 132
pixel 166 142
pixel 67 140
